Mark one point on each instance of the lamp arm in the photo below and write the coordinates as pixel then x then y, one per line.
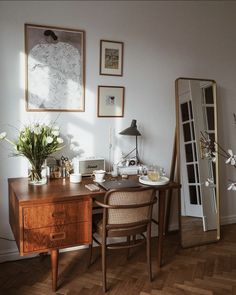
pixel 129 153
pixel 137 154
pixel 136 150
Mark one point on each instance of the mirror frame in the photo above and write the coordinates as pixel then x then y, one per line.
pixel 178 164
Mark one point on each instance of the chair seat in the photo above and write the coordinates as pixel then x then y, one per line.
pixel 119 232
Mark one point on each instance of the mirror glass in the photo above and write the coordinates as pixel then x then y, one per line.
pixel 197 172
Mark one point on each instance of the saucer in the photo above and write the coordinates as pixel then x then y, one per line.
pixel 145 180
pixel 98 181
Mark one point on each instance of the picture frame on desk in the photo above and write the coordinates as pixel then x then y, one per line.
pixel 55 69
pixel 111 58
pixel 110 102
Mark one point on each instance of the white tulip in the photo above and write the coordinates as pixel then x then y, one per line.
pixel 49 139
pixel 37 130
pixel 31 128
pixel 60 140
pixel 55 132
pixel 3 135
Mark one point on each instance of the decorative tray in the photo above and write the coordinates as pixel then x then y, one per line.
pixel 145 180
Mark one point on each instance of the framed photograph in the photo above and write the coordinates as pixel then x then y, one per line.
pixel 55 63
pixel 111 58
pixel 110 101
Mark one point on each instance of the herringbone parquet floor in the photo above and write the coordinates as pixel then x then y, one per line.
pixel 205 270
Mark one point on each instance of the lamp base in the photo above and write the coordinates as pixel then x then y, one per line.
pixel 130 170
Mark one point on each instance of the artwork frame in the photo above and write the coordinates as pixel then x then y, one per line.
pixel 111 58
pixel 55 69
pixel 110 101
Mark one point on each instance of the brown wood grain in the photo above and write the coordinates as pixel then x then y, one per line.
pixel 61 190
pixel 56 214
pixel 44 239
pixel 33 220
pixel 55 190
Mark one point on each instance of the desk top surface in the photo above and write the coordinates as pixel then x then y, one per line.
pixel 61 189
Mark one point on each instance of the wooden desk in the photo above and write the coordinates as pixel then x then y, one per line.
pixel 59 215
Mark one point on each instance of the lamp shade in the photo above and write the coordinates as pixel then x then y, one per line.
pixel 132 130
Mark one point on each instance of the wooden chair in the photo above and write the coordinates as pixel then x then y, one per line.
pixel 126 213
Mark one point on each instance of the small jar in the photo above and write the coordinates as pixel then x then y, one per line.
pixel 140 170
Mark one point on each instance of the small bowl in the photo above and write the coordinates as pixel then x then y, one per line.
pixel 75 178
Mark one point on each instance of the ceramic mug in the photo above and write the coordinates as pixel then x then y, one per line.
pixel 99 175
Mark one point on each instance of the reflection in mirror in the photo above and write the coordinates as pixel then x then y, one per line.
pixel 198 174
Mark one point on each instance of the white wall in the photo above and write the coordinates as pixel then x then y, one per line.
pixel 162 41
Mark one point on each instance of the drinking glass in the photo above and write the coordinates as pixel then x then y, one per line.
pixel 153 173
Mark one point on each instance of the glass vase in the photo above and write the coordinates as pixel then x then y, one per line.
pixel 37 174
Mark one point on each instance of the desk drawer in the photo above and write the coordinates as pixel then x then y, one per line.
pixel 57 214
pixel 36 240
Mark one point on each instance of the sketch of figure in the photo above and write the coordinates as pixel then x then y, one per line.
pixel 55 71
pixel 54 76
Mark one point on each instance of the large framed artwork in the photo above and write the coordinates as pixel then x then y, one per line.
pixel 110 101
pixel 111 58
pixel 55 68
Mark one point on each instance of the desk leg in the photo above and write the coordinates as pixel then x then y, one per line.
pixel 54 266
pixel 161 219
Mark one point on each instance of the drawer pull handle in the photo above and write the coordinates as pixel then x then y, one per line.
pixel 60 214
pixel 57 236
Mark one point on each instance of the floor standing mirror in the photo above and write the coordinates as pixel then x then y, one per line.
pixel 196 113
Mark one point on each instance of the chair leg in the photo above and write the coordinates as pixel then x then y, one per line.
pixel 104 266
pixel 128 250
pixel 90 254
pixel 148 248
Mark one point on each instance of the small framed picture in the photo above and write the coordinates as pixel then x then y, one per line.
pixel 111 58
pixel 110 101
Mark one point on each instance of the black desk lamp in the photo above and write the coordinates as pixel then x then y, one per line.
pixel 132 131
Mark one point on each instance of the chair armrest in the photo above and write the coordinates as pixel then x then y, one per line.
pixel 100 204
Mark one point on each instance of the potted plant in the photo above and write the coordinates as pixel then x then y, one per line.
pixel 36 142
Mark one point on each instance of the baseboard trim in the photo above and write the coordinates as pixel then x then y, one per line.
pixel 228 219
pixel 173 227
pixel 12 255
pixel 224 220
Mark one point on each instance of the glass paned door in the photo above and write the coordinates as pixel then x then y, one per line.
pixel 209 123
pixel 191 185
